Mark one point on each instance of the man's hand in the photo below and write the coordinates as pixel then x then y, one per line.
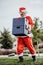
pixel 28 27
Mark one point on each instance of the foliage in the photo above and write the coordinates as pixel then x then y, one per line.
pixel 6 39
pixel 37 34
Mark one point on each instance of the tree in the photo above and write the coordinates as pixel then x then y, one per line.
pixel 37 34
pixel 6 40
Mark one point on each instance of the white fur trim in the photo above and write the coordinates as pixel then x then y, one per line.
pixel 23 10
pixel 20 54
pixel 33 54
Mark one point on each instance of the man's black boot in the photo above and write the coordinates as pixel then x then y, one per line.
pixel 20 58
pixel 34 58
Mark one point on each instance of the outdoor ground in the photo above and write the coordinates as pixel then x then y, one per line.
pixel 14 61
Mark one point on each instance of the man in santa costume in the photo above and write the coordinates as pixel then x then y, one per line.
pixel 26 40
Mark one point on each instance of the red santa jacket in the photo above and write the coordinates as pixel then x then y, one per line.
pixel 30 21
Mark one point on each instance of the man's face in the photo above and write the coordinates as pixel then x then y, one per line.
pixel 22 14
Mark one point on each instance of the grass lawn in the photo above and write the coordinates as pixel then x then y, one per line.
pixel 14 61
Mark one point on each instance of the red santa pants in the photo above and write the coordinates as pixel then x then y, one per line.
pixel 25 41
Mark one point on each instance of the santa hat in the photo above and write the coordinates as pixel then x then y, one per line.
pixel 22 9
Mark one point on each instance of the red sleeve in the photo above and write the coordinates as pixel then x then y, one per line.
pixel 30 21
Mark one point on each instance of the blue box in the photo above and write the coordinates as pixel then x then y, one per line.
pixel 18 28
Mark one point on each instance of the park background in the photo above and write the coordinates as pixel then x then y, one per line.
pixel 9 9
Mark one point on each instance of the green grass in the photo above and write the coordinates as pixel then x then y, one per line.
pixel 14 61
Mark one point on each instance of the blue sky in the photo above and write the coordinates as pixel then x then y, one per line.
pixel 9 10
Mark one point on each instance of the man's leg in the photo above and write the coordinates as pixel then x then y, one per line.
pixel 20 48
pixel 28 42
